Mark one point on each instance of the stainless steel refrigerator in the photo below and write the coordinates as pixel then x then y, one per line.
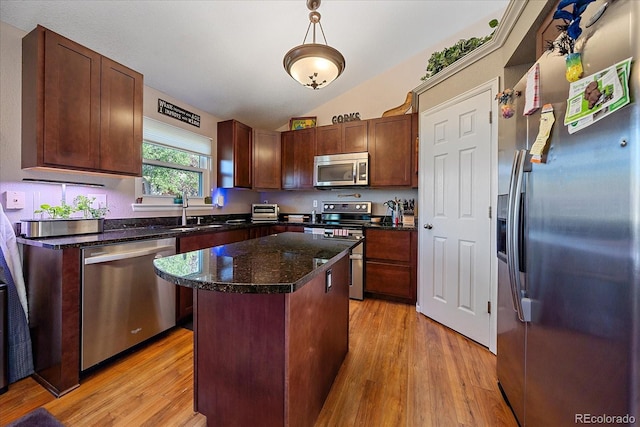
pixel 569 246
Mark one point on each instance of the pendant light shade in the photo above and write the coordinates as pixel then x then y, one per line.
pixel 314 65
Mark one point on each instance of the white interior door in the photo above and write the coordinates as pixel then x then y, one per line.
pixel 455 198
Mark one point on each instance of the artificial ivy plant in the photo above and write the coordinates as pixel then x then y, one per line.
pixel 440 60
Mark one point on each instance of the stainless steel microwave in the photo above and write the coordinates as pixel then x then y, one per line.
pixel 341 170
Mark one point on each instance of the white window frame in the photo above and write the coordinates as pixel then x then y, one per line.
pixel 163 134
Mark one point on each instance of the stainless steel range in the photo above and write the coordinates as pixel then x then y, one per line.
pixel 345 220
pixel 346 213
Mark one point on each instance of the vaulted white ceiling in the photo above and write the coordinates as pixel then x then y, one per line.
pixel 225 56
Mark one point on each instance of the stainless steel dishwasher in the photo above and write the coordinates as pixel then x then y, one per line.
pixel 123 301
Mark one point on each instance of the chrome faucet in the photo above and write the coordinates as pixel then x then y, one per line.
pixel 185 205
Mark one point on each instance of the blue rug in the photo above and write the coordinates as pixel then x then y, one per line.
pixel 39 417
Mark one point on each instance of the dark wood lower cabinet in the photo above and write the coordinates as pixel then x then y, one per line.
pixel 184 296
pixel 259 231
pixel 270 359
pixel 53 284
pixel 391 264
pixel 283 228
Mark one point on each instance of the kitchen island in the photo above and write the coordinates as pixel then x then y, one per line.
pixel 271 326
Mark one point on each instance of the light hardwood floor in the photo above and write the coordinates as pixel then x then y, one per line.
pixel 402 369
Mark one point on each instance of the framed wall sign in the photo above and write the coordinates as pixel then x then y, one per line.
pixel 302 123
pixel 171 110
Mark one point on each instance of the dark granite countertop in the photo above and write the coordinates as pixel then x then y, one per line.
pixel 279 263
pixel 124 235
pixel 149 232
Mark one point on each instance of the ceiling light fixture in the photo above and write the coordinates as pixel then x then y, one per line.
pixel 314 65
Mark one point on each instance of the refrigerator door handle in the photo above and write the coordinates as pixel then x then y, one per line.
pixel 513 228
pixel 509 237
pixel 518 288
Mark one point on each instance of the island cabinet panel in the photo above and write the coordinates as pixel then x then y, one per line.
pixel 298 148
pixel 184 295
pixel 349 137
pixel 391 148
pixel 391 264
pixel 235 155
pixel 80 110
pixel 270 359
pixel 266 160
pixel 52 279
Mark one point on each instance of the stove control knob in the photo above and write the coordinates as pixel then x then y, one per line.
pixel 357 207
pixel 331 206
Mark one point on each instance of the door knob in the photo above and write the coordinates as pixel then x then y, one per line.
pixel 428 226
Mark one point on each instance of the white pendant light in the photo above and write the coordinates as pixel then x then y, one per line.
pixel 314 65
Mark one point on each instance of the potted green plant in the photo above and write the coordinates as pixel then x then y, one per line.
pixel 57 220
pixel 84 204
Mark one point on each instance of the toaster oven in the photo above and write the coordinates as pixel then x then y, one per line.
pixel 264 212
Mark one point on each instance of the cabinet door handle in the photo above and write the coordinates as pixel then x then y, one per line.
pixel 428 226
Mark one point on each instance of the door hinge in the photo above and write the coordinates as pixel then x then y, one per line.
pixel 490 117
pixel 489 212
pixel 489 307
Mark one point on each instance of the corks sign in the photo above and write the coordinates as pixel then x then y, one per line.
pixel 342 118
pixel 168 109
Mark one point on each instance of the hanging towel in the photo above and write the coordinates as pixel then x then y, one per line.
pixel 9 248
pixel 20 355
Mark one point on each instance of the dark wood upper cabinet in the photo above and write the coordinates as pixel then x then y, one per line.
pixel 80 110
pixel 235 155
pixel 121 119
pixel 391 148
pixel 266 160
pixel 298 148
pixel 349 137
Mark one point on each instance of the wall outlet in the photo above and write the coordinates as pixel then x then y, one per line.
pixel 315 203
pixel 14 199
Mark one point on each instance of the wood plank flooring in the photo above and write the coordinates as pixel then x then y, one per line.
pixel 402 370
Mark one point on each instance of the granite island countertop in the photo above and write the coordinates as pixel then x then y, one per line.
pixel 279 263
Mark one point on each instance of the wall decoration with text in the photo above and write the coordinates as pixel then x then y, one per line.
pixel 168 109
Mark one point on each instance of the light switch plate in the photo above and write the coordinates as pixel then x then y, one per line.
pixel 14 199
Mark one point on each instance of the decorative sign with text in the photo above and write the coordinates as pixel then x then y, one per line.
pixel 168 109
pixel 350 117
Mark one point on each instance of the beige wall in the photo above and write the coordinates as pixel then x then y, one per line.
pixel 519 48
